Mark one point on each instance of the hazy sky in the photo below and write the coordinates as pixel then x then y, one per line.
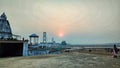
pixel 76 21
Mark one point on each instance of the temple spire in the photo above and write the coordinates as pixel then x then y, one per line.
pixel 3 16
pixel 5 29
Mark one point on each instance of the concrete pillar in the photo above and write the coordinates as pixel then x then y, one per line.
pixel 30 40
pixel 25 48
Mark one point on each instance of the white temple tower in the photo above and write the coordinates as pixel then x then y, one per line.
pixel 5 29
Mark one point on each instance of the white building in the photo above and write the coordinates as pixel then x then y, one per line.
pixel 5 29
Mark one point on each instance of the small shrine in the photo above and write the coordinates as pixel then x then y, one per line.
pixel 34 39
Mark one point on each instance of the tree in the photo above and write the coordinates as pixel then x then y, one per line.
pixel 63 43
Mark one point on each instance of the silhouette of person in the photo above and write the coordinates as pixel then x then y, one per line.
pixel 115 51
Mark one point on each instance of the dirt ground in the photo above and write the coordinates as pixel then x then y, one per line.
pixel 66 60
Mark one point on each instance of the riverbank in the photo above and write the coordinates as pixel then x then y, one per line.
pixel 65 60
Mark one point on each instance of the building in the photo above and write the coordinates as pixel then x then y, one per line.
pixel 13 48
pixel 9 46
pixel 34 39
pixel 5 29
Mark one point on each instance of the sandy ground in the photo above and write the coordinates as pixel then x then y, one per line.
pixel 66 60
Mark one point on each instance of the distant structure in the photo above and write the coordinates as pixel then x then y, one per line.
pixel 52 40
pixel 34 39
pixel 44 37
pixel 5 29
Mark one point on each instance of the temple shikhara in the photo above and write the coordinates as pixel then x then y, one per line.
pixel 5 29
pixel 10 46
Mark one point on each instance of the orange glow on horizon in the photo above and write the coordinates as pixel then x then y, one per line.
pixel 61 34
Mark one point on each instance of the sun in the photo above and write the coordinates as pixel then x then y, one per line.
pixel 61 34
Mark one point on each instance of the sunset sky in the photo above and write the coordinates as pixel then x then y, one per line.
pixel 76 21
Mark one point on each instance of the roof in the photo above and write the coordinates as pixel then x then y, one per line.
pixel 33 35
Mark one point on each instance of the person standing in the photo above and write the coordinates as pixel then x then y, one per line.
pixel 115 51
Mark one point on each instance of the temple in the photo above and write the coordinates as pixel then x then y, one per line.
pixel 5 29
